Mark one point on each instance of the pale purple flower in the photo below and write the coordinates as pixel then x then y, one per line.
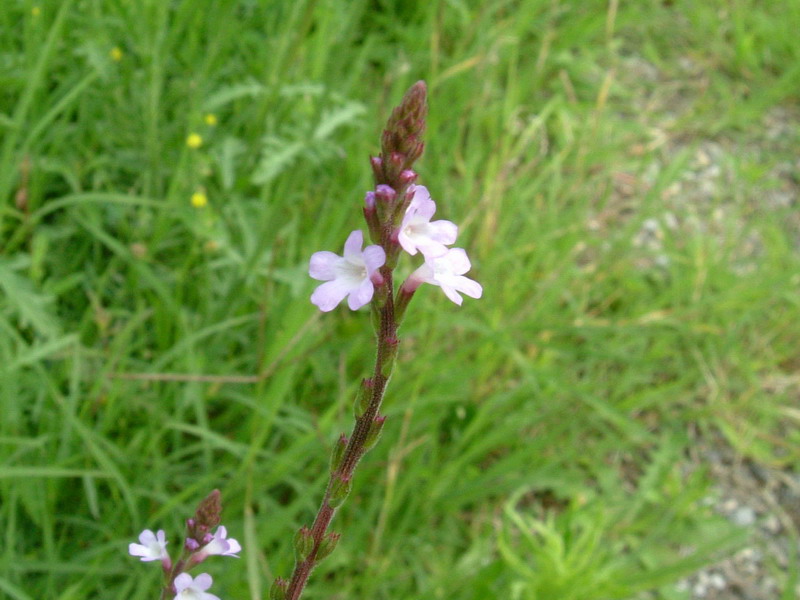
pixel 417 233
pixel 153 546
pixel 447 272
pixel 219 544
pixel 350 275
pixel 194 589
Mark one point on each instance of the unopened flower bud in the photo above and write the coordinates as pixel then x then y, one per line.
pixel 398 161
pixel 303 544
pixel 338 453
pixel 387 139
pixel 377 169
pixel 385 193
pixel 408 177
pixel 191 544
pixel 385 202
pixel 377 279
pixel 277 590
pixel 371 217
pixel 415 152
pixel 404 295
pixel 340 488
pixel 374 433
pixel 380 290
pixel 405 127
pixel 208 511
pixel 328 544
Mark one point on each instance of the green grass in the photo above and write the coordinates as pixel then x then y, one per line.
pixel 538 440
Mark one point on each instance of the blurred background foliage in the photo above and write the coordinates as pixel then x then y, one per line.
pixel 624 174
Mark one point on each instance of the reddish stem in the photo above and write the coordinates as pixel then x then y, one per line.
pixel 387 336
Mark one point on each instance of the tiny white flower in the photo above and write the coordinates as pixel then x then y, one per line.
pixel 153 546
pixel 417 233
pixel 447 272
pixel 219 544
pixel 193 589
pixel 346 276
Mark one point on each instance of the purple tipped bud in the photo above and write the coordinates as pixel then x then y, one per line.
pixel 401 141
pixel 407 121
pixel 377 279
pixel 404 295
pixel 385 194
pixel 372 218
pixel 408 177
pixel 207 515
pixel 191 544
pixel 397 160
pixel 377 169
pixel 385 197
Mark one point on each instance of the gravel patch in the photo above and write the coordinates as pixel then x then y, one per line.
pixel 708 197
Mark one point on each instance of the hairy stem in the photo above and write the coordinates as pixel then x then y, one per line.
pixel 386 332
pixel 401 146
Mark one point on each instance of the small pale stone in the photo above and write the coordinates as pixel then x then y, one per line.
pixel 700 589
pixel 744 516
pixel 717 581
pixel 772 524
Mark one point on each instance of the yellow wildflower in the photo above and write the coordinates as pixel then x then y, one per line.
pixel 116 54
pixel 194 140
pixel 199 199
pixel 36 11
pixel 210 119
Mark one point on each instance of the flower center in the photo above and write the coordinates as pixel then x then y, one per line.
pixel 353 270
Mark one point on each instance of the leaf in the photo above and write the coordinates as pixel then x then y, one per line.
pixel 31 306
pixel 234 92
pixel 276 156
pixel 331 120
pixel 226 156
